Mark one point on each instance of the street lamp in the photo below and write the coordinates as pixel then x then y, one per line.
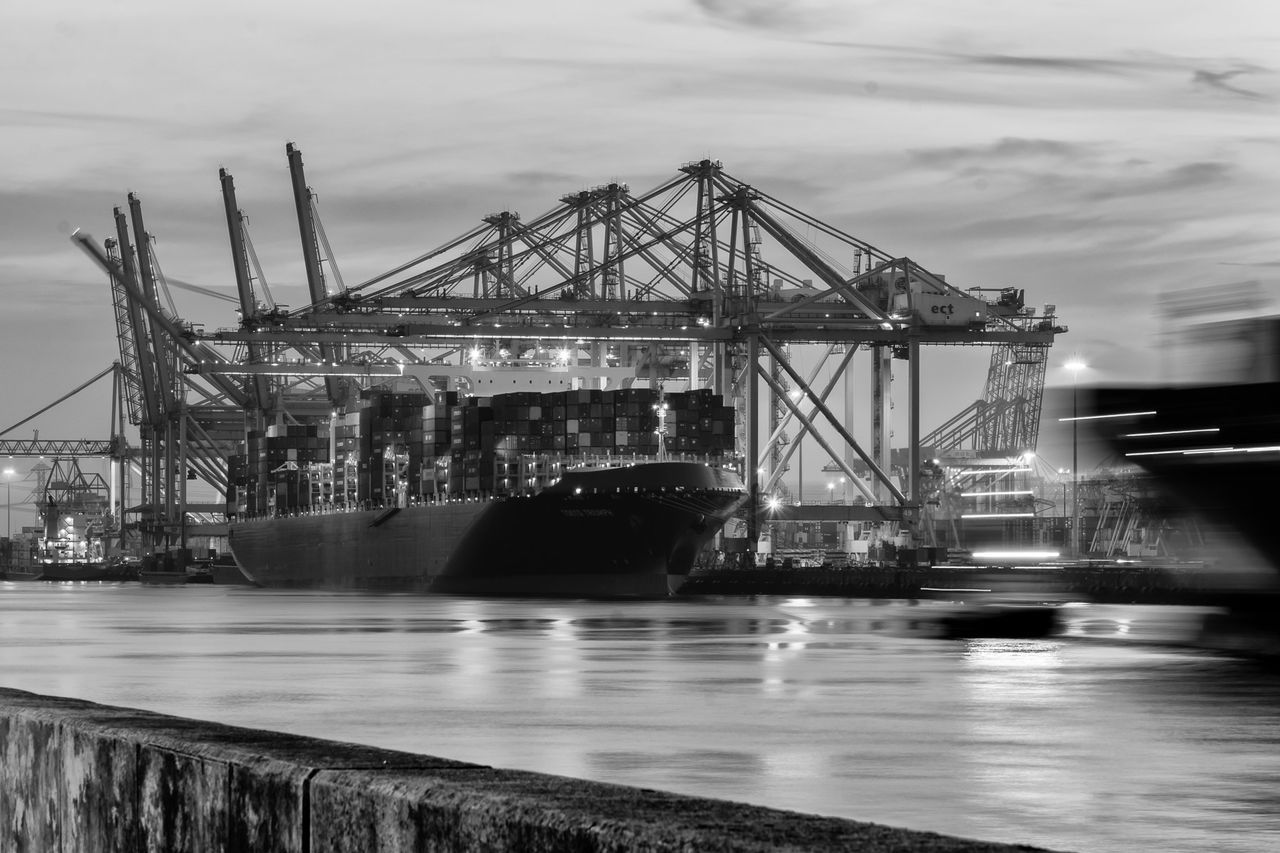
pixel 1062 472
pixel 8 502
pixel 1075 365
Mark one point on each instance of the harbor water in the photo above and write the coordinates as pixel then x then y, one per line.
pixel 1112 736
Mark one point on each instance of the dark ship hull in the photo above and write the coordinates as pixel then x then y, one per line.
pixel 608 532
pixel 80 570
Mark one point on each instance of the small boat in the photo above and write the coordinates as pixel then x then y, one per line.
pixel 201 571
pixel 165 568
pixel 162 578
pixel 123 568
pixel 30 573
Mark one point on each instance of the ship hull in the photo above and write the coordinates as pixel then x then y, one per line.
pixel 92 570
pixel 626 532
pixel 227 573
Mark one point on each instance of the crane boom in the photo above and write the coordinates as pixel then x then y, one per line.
pixel 311 258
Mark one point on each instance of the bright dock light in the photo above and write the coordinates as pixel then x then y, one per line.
pixel 1015 555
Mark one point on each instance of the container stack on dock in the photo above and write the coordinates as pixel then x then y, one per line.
pixel 402 447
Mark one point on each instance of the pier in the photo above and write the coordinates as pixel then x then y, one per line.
pixel 78 776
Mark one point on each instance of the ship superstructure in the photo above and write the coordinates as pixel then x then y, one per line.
pixel 76 524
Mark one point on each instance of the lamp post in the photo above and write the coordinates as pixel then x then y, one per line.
pixel 1075 365
pixel 8 502
pixel 1062 472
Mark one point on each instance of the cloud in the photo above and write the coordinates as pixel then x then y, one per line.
pixel 547 181
pixel 758 14
pixel 1003 150
pixel 1078 64
pixel 52 118
pixel 1219 80
pixel 1082 172
pixel 1190 176
pixel 1058 63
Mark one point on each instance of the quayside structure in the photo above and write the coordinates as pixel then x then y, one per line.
pixel 701 282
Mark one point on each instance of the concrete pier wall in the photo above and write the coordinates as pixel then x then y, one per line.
pixel 76 776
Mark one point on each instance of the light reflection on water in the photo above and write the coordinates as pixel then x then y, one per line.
pixel 1101 739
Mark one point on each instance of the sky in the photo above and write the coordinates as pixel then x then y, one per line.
pixel 1101 155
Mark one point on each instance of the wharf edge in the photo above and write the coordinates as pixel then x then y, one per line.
pixel 81 776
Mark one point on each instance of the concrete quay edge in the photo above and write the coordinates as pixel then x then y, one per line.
pixel 78 776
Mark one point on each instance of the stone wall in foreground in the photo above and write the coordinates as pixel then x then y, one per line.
pixel 75 776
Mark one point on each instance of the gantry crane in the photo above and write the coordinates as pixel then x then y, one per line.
pixel 62 478
pixel 678 285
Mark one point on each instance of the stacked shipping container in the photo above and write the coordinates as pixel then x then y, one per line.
pixel 280 470
pixel 403 446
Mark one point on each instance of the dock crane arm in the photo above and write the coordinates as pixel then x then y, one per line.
pixel 162 351
pixel 194 351
pixel 311 257
pixel 120 271
pixel 131 392
pixel 244 284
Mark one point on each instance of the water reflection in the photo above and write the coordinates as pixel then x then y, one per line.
pixel 1107 737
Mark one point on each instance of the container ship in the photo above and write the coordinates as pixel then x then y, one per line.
pixel 571 493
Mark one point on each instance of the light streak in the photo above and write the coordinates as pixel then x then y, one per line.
pixel 1102 417
pixel 1208 451
pixel 1015 555
pixel 1168 432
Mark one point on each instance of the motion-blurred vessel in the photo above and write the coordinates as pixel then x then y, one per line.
pixel 1213 445
pixel 1216 448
